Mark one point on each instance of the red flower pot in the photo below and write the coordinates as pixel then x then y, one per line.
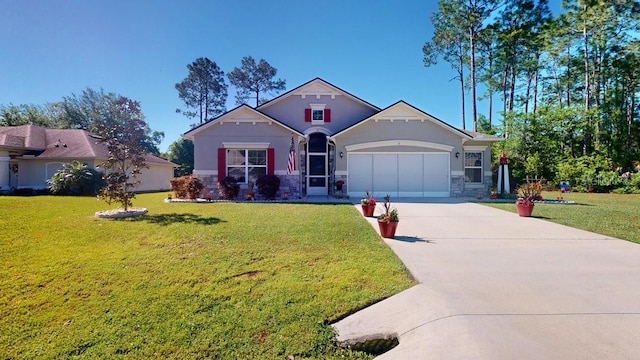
pixel 387 229
pixel 525 209
pixel 367 210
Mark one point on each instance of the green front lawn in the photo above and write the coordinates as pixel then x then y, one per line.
pixel 614 215
pixel 219 280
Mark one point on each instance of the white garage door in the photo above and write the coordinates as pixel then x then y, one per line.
pixel 399 174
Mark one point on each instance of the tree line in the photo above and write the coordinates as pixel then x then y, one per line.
pixel 565 85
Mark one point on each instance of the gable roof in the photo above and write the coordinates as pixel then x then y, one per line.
pixel 410 112
pixel 221 118
pixel 317 82
pixel 59 143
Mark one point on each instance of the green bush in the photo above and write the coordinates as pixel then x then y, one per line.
pixel 228 188
pixel 588 173
pixel 75 178
pixel 186 187
pixel 268 185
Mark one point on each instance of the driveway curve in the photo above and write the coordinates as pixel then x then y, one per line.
pixel 493 285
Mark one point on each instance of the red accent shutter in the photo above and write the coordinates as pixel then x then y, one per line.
pixel 222 163
pixel 307 115
pixel 327 115
pixel 270 161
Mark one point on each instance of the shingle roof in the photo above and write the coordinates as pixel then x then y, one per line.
pixel 60 143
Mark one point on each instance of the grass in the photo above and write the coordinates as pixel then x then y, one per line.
pixel 221 280
pixel 615 215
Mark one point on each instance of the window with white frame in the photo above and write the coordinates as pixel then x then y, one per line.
pixel 246 164
pixel 317 113
pixel 473 166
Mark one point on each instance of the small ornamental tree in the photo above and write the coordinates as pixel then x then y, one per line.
pixel 123 134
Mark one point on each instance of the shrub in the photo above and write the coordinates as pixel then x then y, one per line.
pixel 228 188
pixel 268 185
pixel 186 187
pixel 75 178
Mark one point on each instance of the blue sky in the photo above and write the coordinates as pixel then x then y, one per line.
pixel 140 49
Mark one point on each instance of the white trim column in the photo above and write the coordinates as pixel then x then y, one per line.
pixel 4 170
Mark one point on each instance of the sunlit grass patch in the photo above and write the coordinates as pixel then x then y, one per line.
pixel 220 280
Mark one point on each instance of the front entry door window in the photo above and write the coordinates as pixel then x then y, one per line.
pixel 317 165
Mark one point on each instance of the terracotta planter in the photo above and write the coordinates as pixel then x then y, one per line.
pixel 525 210
pixel 388 229
pixel 367 210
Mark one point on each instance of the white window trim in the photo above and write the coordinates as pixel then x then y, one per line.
pixel 245 146
pixel 246 164
pixel 317 107
pixel 474 149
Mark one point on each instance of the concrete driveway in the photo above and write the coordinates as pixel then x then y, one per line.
pixel 497 286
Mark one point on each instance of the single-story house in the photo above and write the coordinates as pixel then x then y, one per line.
pixel 30 155
pixel 399 150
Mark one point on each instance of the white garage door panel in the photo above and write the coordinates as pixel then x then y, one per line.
pixel 360 174
pixel 399 175
pixel 410 172
pixel 385 175
pixel 436 175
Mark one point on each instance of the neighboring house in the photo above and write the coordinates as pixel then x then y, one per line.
pixel 30 155
pixel 399 150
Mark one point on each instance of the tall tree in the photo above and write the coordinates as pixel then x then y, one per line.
pixel 181 153
pixel 123 132
pixel 252 80
pixel 448 41
pixel 203 91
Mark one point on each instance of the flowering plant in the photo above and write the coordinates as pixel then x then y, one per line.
pixel 368 200
pixel 389 215
pixel 530 191
pixel 339 183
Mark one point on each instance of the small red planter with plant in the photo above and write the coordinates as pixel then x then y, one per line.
pixel 368 205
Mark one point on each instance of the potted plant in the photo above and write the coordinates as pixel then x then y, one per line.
pixel 528 192
pixel 388 220
pixel 339 184
pixel 368 205
pixel 285 196
pixel 493 194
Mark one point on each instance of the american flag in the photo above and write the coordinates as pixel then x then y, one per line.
pixel 291 163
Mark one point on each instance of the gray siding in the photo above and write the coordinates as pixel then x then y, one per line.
pixel 344 111
pixel 398 130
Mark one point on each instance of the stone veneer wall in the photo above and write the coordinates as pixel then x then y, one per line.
pixel 457 185
pixel 289 184
pixel 474 191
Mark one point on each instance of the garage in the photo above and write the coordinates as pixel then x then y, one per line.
pixel 399 174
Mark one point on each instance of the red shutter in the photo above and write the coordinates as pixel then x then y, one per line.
pixel 270 161
pixel 327 115
pixel 307 115
pixel 222 163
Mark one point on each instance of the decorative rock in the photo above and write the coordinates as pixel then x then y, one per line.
pixel 120 213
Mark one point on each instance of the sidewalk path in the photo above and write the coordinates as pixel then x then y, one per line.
pixel 497 286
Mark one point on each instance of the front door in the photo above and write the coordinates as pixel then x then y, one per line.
pixel 317 165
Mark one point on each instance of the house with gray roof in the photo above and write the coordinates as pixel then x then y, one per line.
pixel 30 155
pixel 318 134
